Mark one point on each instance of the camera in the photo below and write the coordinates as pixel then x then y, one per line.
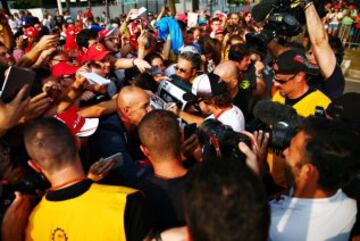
pixel 281 18
pixel 170 92
pixel 220 140
pixel 28 185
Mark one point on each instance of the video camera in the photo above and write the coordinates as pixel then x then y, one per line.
pixel 170 92
pixel 284 17
pixel 281 18
pixel 220 140
pixel 281 121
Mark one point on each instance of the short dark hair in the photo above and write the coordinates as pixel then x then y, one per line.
pixel 238 52
pixel 153 56
pixel 159 131
pixel 83 37
pixel 146 81
pixel 225 200
pixel 50 143
pixel 333 147
pixel 194 58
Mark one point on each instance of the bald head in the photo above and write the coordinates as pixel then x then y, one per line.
pixel 228 72
pixel 133 104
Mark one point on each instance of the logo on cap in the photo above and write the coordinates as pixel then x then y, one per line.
pixel 99 47
pixel 299 59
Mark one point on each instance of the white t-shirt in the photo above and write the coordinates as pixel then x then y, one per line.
pixel 232 117
pixel 312 219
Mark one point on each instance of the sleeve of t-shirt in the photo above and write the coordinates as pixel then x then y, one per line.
pixel 334 86
pixel 137 222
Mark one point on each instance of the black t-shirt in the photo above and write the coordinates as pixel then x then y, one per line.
pixel 244 99
pixel 333 87
pixel 164 198
pixel 136 218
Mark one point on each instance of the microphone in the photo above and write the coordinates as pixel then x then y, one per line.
pixel 271 113
pixel 262 9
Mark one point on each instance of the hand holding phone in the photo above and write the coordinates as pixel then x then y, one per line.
pixel 101 168
pixel 95 78
pixel 15 79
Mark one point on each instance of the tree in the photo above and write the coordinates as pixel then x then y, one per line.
pixel 171 4
pixel 5 5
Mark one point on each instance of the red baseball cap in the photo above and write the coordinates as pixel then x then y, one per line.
pixel 106 33
pixel 95 53
pixel 63 68
pixel 78 125
pixel 31 32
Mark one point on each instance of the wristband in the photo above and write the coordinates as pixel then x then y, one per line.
pixel 260 76
pixel 306 3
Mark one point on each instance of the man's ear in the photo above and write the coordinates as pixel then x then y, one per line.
pixel 300 76
pixel 84 49
pixel 37 168
pixel 234 83
pixel 310 172
pixel 193 72
pixel 145 150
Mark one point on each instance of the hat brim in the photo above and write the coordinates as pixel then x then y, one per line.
pixel 89 127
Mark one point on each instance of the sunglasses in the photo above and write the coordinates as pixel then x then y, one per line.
pixel 284 81
pixel 177 68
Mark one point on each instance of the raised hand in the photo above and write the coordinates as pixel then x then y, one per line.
pixel 11 112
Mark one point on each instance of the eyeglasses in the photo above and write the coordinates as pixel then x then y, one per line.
pixel 177 68
pixel 284 81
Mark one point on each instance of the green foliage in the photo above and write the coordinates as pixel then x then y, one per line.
pixel 237 2
pixel 23 4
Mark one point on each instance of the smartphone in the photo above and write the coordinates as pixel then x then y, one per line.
pixel 15 79
pixel 118 157
pixel 189 130
pixel 95 78
pixel 157 103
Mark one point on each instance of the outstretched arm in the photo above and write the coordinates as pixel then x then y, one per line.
pixel 324 55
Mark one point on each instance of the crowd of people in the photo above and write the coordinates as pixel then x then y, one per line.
pixel 343 20
pixel 177 126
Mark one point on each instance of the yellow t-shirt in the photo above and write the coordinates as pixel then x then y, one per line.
pixel 96 215
pixel 305 107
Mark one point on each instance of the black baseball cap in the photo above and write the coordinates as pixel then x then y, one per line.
pixel 293 62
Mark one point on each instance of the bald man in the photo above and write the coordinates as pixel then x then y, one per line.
pixel 117 131
pixel 229 72
pixel 133 103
